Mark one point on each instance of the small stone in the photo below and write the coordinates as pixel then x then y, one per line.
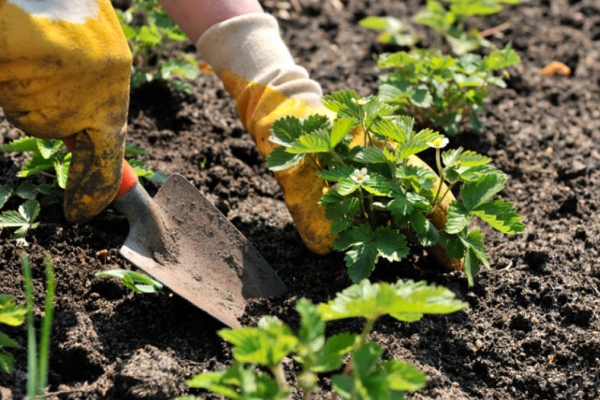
pixel 478 344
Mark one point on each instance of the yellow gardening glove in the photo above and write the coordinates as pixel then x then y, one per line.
pixel 256 68
pixel 64 70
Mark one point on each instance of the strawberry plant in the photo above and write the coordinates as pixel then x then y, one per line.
pixel 442 91
pixel 49 158
pixel 157 45
pixel 379 199
pixel 364 375
pixel 447 18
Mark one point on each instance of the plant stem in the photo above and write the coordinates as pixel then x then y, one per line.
pixel 279 377
pixel 361 340
pixel 362 204
pixel 441 173
pixel 46 326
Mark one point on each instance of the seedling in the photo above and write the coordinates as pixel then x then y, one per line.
pixel 157 46
pixel 135 281
pixel 442 91
pixel 378 199
pixel 363 376
pixel 11 314
pixel 37 364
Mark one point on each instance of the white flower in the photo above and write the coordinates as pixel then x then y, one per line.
pixel 360 176
pixel 438 143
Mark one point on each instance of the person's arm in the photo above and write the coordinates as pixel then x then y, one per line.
pixel 194 17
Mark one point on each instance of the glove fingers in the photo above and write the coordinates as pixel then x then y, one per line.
pixel 95 173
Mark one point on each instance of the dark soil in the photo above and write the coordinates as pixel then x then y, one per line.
pixel 532 328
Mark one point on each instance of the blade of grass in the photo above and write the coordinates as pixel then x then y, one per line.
pixel 46 326
pixel 31 342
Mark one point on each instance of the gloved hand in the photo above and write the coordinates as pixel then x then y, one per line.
pixel 64 70
pixel 256 68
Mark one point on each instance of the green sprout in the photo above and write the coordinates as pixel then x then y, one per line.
pixel 37 363
pixel 365 375
pixel 379 200
pixel 135 281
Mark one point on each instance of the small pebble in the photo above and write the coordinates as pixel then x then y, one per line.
pixel 478 344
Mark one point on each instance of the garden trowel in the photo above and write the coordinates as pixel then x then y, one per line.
pixel 183 241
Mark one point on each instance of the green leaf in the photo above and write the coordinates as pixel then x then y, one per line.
pixel 34 165
pixel 463 158
pixel 279 159
pixel 316 142
pixel 365 359
pixel 471 263
pixel 21 145
pixel 390 244
pixel 391 130
pixel 26 190
pixel 387 23
pixel 340 129
pixel 421 97
pixel 266 344
pixel 458 218
pixel 418 143
pixel 377 185
pixel 6 341
pixel 48 148
pixel 361 260
pixel 330 358
pixel 342 212
pixel 404 300
pixel 347 186
pixel 135 281
pixel 285 130
pixel 11 313
pixel 23 220
pixel 474 242
pixel 402 376
pixel 499 59
pixel 335 174
pixel 312 328
pixel 400 205
pixel 149 35
pixel 7 361
pixel 62 172
pixel 134 150
pixel 477 192
pixel 238 382
pixel 5 192
pixel 372 155
pixel 500 215
pixel 426 232
pixel 341 103
pixel 367 246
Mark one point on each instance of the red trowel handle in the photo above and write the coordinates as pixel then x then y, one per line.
pixel 129 179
